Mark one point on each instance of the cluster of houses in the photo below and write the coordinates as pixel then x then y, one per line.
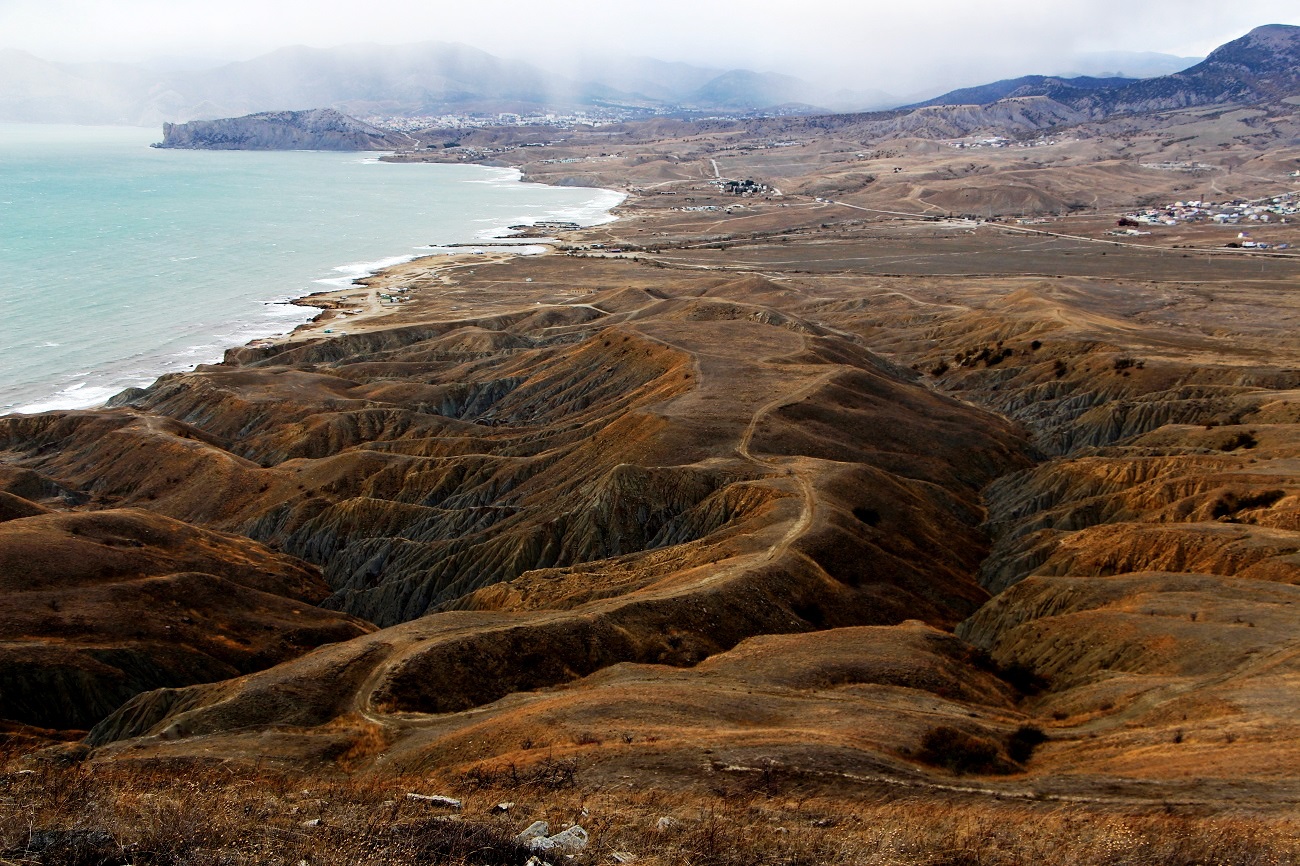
pixel 743 187
pixel 1178 166
pixel 998 141
pixel 572 160
pixel 750 147
pixel 968 144
pixel 1277 209
pixel 1246 242
pixel 1280 208
pixel 595 117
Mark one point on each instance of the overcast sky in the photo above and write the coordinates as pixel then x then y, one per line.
pixel 894 46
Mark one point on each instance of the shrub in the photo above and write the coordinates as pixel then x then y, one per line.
pixel 1242 439
pixel 869 516
pixel 1127 363
pixel 960 752
pixel 1022 678
pixel 1023 741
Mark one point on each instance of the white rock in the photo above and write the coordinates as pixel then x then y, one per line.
pixel 503 807
pixel 314 822
pixel 435 800
pixel 664 823
pixel 535 830
pixel 569 841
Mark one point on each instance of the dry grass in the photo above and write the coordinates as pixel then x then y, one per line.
pixel 93 815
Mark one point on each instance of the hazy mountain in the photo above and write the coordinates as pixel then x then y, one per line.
pixel 405 80
pixel 1125 64
pixel 644 77
pixel 37 91
pixel 742 90
pixel 1261 67
pixel 1029 85
pixel 426 78
pixel 440 78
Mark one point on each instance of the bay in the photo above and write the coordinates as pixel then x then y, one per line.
pixel 120 262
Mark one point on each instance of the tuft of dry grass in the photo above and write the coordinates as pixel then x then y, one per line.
pixel 187 814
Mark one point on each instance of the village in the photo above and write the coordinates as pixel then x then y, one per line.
pixel 1000 142
pixel 743 188
pixel 1280 209
pixel 594 117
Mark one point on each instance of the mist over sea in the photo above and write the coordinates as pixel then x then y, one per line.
pixel 119 262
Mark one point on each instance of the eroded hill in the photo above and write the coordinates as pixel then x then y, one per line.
pixel 845 496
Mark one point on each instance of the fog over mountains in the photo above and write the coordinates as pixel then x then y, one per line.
pixel 1259 68
pixel 432 78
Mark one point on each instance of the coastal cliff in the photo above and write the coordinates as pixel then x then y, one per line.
pixel 319 129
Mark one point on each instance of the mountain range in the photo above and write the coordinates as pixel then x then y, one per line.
pixel 1259 70
pixel 423 79
pixel 1262 66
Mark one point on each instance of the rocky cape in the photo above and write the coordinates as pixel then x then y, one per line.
pixel 319 129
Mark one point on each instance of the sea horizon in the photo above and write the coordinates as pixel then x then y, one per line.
pixel 124 262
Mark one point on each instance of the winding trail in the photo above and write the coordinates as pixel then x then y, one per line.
pixel 791 465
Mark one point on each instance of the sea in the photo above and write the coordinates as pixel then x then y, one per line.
pixel 120 262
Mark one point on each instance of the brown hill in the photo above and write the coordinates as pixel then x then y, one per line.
pixel 793 497
pixel 101 606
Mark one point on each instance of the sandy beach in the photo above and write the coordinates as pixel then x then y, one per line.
pixel 359 307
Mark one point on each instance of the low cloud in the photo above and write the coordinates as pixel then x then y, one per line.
pixel 902 47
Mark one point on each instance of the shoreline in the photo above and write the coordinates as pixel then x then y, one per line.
pixel 360 300
pixel 373 297
pixel 363 301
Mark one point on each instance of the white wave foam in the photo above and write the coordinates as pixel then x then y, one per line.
pixel 503 177
pixel 593 212
pixel 82 395
pixel 285 310
pixel 359 270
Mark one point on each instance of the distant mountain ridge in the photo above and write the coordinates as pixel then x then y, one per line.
pixel 1261 69
pixel 431 79
pixel 1262 66
pixel 1028 85
pixel 423 79
pixel 1125 64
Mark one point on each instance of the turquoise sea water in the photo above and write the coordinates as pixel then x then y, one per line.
pixel 119 262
